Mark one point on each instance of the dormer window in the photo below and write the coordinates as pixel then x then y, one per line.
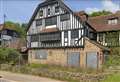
pixel 49 11
pixel 113 21
pixel 40 13
pixel 56 9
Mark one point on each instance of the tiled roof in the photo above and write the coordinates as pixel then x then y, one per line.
pixel 97 44
pixel 100 23
pixel 7 27
pixel 82 15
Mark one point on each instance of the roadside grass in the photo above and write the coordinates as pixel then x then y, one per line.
pixel 115 77
pixel 50 71
pixel 60 68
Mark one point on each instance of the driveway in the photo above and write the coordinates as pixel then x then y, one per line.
pixel 25 78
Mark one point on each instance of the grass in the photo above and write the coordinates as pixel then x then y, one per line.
pixel 60 68
pixel 113 78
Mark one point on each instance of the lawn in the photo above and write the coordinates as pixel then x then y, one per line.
pixel 113 78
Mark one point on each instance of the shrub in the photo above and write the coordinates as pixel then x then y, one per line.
pixel 9 56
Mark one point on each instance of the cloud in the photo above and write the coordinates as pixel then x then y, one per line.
pixel 91 10
pixel 107 5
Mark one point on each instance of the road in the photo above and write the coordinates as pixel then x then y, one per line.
pixel 25 78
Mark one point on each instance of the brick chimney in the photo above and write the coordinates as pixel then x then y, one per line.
pixel 82 15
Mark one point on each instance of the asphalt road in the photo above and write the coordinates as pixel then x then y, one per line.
pixel 24 78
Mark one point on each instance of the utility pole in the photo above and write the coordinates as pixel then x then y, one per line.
pixel 4 19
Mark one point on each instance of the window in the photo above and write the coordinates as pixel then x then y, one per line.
pixel 93 36
pixel 34 38
pixel 39 22
pixel 65 34
pixel 41 13
pixel 75 34
pixel 51 21
pixel 4 32
pixel 101 37
pixel 41 54
pixel 48 11
pixel 64 17
pixel 56 9
pixel 113 21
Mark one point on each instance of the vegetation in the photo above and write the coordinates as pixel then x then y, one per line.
pixel 17 27
pixel 52 71
pixel 100 13
pixel 113 78
pixel 9 56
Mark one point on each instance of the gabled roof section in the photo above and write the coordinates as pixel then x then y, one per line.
pixel 97 44
pixel 45 3
pixel 100 23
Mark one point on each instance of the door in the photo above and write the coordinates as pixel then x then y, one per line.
pixel 92 60
pixel 74 59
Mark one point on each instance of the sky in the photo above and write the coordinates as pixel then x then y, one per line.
pixel 22 10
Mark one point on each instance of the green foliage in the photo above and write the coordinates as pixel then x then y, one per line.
pixel 100 13
pixel 114 58
pixel 113 78
pixel 17 27
pixel 112 39
pixel 9 56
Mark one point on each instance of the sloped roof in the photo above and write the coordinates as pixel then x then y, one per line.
pixel 47 2
pixel 97 44
pixel 100 23
pixel 6 27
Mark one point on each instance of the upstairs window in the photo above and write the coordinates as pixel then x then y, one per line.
pixel 113 21
pixel 40 13
pixel 74 34
pixel 64 17
pixel 34 38
pixel 48 11
pixel 39 22
pixel 56 9
pixel 65 34
pixel 51 21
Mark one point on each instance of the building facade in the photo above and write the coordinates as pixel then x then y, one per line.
pixel 57 35
pixel 107 28
pixel 8 37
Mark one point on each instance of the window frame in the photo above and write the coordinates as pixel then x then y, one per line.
pixel 40 22
pixel 57 9
pixel 40 13
pixel 34 38
pixel 48 11
pixel 74 34
pixel 65 17
pixel 51 21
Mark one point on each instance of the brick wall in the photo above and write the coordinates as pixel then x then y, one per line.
pixel 59 56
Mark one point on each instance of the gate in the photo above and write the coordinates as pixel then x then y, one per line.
pixel 74 59
pixel 92 60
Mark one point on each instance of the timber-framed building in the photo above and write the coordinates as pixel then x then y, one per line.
pixel 57 35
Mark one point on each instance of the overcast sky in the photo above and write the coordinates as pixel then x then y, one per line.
pixel 21 10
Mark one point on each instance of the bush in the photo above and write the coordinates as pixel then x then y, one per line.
pixel 114 58
pixel 9 56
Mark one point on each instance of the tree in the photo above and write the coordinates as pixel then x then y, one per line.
pixel 100 13
pixel 16 27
